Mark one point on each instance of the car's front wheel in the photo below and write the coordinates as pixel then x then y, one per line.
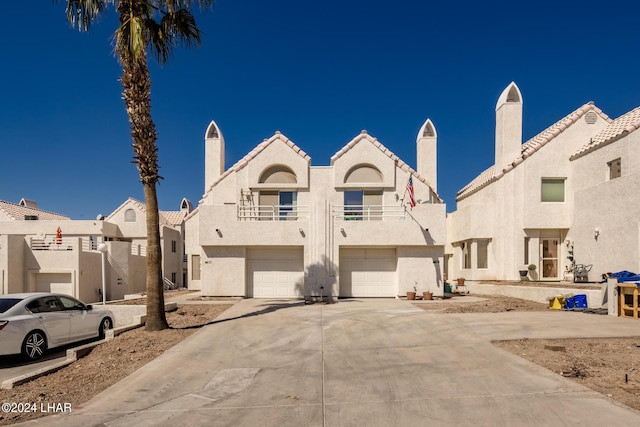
pixel 105 325
pixel 34 345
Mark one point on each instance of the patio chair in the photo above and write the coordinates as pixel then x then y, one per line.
pixel 581 272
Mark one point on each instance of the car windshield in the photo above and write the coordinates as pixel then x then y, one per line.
pixel 7 303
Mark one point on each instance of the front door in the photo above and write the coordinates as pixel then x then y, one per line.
pixel 549 250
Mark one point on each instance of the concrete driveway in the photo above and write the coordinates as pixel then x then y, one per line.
pixel 378 362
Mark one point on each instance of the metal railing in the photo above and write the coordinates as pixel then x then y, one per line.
pixel 273 213
pixel 52 244
pixel 168 284
pixel 368 212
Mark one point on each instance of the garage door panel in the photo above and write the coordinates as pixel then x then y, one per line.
pixel 275 272
pixel 368 272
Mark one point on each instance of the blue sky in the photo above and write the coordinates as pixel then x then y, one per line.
pixel 319 72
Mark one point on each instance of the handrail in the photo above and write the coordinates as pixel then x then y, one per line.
pixel 368 212
pixel 273 213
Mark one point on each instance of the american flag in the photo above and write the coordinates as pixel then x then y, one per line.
pixel 412 198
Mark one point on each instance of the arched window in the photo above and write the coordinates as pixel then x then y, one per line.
pixel 129 215
pixel 278 174
pixel 363 174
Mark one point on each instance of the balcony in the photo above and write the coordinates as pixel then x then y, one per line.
pixel 368 213
pixel 273 213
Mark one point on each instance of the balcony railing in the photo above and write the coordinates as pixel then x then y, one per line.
pixel 368 213
pixel 273 213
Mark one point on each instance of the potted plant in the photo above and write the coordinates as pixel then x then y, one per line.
pixel 524 270
pixel 532 270
pixel 427 295
pixel 411 295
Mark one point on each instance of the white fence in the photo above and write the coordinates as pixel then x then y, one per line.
pixel 368 212
pixel 273 213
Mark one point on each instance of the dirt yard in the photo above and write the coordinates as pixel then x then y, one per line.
pixel 609 366
pixel 108 363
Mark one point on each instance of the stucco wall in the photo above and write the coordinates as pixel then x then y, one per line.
pixel 607 205
pixel 224 270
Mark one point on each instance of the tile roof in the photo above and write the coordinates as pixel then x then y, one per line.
pixel 618 128
pixel 253 153
pixel 175 218
pixel 172 218
pixel 17 212
pixel 364 135
pixel 495 172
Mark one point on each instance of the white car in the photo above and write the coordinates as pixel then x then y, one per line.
pixel 31 323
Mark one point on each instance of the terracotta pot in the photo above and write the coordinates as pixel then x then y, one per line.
pixel 411 295
pixel 427 295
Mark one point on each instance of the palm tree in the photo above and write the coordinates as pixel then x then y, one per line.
pixel 156 26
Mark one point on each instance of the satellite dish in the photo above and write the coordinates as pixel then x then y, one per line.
pixel 100 217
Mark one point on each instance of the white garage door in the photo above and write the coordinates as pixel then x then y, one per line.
pixel 54 282
pixel 368 272
pixel 275 273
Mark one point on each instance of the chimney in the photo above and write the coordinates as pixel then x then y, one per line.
pixel 213 155
pixel 508 126
pixel 426 155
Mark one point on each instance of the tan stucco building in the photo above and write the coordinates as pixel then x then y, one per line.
pixel 274 225
pixel 562 194
pixel 42 251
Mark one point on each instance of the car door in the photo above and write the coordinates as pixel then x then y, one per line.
pixel 82 323
pixel 53 318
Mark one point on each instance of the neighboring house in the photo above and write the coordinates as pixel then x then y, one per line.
pixel 606 225
pixel 543 199
pixel 131 219
pixel 44 251
pixel 273 225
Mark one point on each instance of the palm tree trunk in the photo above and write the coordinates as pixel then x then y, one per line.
pixel 136 85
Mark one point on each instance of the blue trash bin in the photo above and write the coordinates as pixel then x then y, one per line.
pixel 570 303
pixel 580 301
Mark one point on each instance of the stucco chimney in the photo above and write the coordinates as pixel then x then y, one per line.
pixel 508 126
pixel 213 155
pixel 426 155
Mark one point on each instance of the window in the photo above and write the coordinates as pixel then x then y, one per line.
pixel 278 205
pixel 552 190
pixel 363 204
pixel 195 267
pixel 173 277
pixel 526 250
pixel 483 253
pixel 466 255
pixel 288 201
pixel 31 217
pixel 615 169
pixel 129 215
pixel 173 246
pixel 45 305
pixel 72 304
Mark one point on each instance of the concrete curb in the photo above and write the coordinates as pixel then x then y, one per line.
pixel 73 354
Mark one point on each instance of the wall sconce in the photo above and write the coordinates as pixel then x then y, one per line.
pixel 219 232
pixel 596 233
pixel 344 234
pixel 301 231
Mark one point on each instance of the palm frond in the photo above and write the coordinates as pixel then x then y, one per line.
pixel 81 13
pixel 175 28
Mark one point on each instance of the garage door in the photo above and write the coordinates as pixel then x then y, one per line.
pixel 275 273
pixel 368 272
pixel 54 282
